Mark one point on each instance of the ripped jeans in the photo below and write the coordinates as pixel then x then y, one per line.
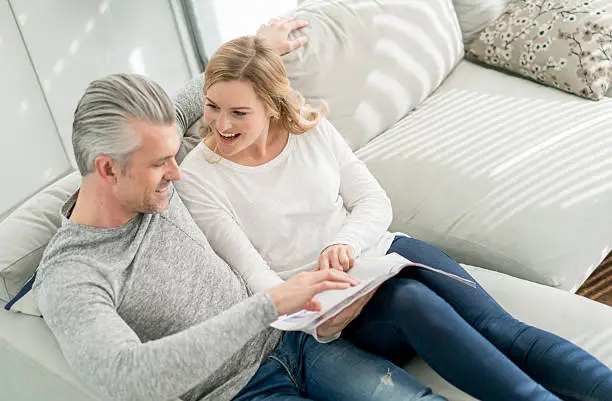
pixel 303 369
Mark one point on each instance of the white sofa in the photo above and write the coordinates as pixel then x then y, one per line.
pixel 440 193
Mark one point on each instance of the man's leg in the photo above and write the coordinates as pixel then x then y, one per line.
pixel 557 364
pixel 339 371
pixel 274 379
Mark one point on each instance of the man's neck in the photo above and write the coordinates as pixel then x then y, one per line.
pixel 97 207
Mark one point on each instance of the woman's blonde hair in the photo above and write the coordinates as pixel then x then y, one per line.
pixel 249 58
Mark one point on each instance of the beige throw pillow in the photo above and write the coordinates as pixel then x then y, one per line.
pixel 562 43
pixel 26 231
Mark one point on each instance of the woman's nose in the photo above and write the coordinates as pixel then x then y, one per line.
pixel 223 123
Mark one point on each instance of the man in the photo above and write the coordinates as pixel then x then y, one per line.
pixel 143 309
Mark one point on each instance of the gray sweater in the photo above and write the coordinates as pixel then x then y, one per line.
pixel 148 311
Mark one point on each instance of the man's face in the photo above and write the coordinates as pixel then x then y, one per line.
pixel 142 187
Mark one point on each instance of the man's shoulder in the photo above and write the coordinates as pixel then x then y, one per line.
pixel 86 248
pixel 65 263
pixel 68 247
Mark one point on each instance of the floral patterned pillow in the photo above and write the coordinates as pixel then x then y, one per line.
pixel 562 43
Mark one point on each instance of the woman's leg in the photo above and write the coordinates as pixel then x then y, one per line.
pixel 552 361
pixel 404 313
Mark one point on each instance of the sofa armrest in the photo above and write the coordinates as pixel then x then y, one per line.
pixel 32 367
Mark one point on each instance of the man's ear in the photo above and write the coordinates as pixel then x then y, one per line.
pixel 106 168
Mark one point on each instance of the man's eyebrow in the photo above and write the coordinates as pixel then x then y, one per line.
pixel 231 108
pixel 162 159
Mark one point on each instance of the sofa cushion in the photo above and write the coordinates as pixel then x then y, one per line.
pixel 476 15
pixel 562 43
pixel 372 61
pixel 33 367
pixel 27 230
pixel 481 78
pixel 518 185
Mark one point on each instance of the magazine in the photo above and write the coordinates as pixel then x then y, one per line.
pixel 371 272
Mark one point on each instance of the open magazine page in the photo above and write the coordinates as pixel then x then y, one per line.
pixel 371 272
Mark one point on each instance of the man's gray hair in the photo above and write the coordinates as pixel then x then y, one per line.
pixel 101 119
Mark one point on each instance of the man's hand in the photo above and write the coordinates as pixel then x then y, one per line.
pixel 276 33
pixel 342 319
pixel 338 256
pixel 296 293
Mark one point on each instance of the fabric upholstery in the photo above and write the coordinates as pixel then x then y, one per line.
pixel 475 15
pixel 517 185
pixel 26 232
pixel 562 43
pixel 373 61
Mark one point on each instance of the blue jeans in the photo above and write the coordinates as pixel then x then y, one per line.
pixel 303 369
pixel 469 339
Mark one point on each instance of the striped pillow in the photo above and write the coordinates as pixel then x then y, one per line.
pixel 373 61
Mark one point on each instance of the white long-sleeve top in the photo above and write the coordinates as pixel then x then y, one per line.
pixel 271 221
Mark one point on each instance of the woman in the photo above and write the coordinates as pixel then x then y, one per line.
pixel 277 190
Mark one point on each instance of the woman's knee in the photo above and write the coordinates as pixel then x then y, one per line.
pixel 419 251
pixel 405 297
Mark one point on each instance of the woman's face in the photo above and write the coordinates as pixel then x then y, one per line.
pixel 237 117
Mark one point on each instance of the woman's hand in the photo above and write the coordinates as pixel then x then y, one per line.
pixel 338 256
pixel 342 319
pixel 276 33
pixel 296 293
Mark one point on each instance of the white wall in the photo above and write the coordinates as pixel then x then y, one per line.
pixel 72 42
pixel 32 153
pixel 49 51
